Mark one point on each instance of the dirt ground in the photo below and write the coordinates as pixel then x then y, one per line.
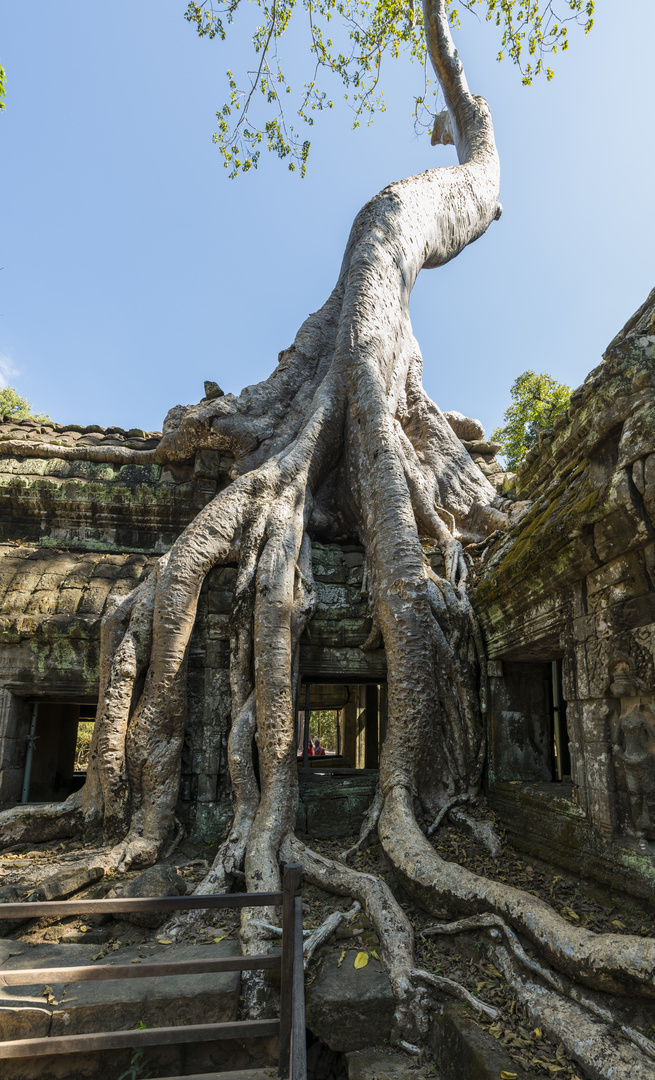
pixel 461 957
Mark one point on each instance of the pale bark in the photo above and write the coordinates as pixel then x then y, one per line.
pixel 342 439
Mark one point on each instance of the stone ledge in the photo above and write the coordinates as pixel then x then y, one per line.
pixel 555 830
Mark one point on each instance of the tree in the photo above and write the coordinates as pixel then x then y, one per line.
pixel 537 400
pixel 349 44
pixel 341 441
pixel 12 404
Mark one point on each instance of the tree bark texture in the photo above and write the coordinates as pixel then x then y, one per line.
pixel 341 440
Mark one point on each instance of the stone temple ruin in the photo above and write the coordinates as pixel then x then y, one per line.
pixel 566 602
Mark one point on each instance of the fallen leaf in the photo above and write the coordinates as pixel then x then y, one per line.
pixel 361 960
pixel 341 958
pixel 507 1075
pixel 374 954
pixel 49 994
pixel 216 939
pixel 537 1033
pixel 619 925
pixel 136 960
pixel 493 971
pixel 164 941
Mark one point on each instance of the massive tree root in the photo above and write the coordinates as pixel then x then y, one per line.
pixel 340 441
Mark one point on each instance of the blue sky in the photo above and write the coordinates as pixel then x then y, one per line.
pixel 134 268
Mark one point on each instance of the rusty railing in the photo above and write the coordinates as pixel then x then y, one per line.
pixel 289 1026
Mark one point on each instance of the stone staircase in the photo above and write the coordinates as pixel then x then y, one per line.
pixel 39 1010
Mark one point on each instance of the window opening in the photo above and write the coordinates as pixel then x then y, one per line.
pixel 341 726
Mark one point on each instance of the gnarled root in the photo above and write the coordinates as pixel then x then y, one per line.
pixel 368 827
pixel 439 982
pixel 563 986
pixel 616 963
pixel 586 1039
pixel 42 823
pixel 389 920
pixel 325 931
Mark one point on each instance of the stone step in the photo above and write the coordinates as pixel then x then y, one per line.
pixel 238 1074
pixel 36 1010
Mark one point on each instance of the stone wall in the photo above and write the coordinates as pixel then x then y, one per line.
pixel 575 579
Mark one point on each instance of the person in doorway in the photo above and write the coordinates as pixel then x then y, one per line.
pixel 315 748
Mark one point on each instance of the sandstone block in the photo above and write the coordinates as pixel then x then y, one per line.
pixel 465 427
pixel 382 1062
pixel 160 880
pixel 464 1049
pixel 350 1008
pixel 24 1023
pixel 207 465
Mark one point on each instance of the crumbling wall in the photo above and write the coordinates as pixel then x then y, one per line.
pixel 575 579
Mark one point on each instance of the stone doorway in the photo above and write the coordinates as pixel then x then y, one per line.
pixel 57 749
pixel 340 726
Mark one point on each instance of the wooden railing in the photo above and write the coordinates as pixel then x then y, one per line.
pixel 289 1026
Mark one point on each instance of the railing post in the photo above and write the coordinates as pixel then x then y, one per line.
pixel 298 1032
pixel 291 879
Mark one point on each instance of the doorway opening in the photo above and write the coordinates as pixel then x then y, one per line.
pixel 340 726
pixel 57 749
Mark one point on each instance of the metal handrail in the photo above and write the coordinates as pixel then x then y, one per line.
pixel 290 1025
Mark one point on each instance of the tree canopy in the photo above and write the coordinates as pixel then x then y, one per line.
pixel 12 404
pixel 536 401
pixel 349 39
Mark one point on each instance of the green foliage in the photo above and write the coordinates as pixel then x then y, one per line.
pixel 349 40
pixel 12 404
pixel 83 745
pixel 324 723
pixel 137 1069
pixel 536 401
pixel 2 87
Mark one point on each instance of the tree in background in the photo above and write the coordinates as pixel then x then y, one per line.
pixel 536 401
pixel 12 404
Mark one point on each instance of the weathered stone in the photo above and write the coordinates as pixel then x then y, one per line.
pixel 334 805
pixel 463 1049
pixel 207 465
pixel 159 880
pixel 63 884
pixel 350 1008
pixel 17 1022
pixel 235 1074
pixel 385 1064
pixel 112 1004
pixel 354 558
pixel 220 602
pixel 212 390
pixel 57 887
pixel 465 427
